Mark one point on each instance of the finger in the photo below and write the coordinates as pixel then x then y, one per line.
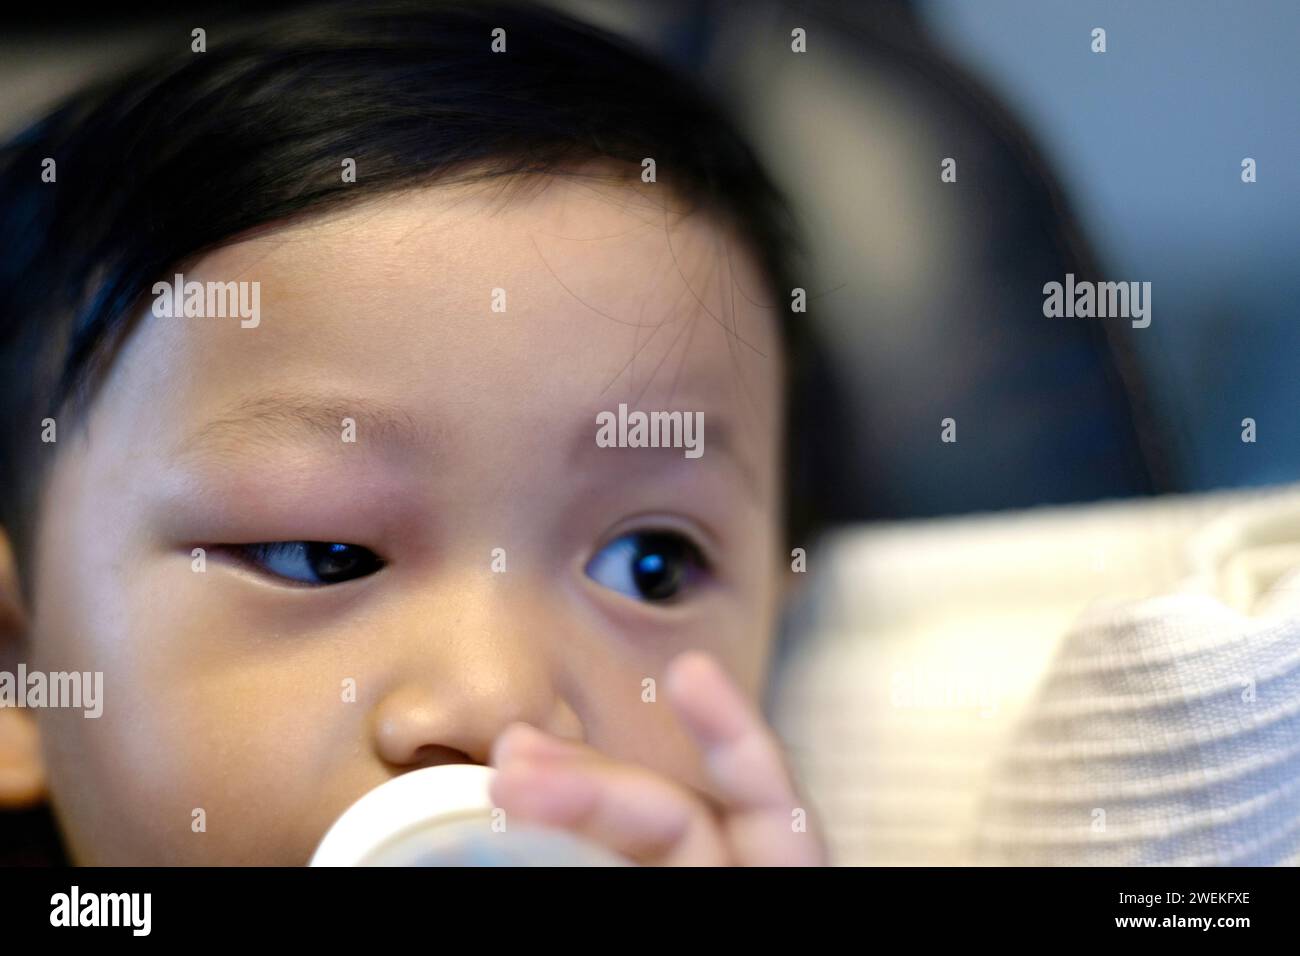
pixel 628 809
pixel 524 740
pixel 764 817
pixel 742 758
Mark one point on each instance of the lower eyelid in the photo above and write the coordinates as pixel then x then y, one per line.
pixel 239 556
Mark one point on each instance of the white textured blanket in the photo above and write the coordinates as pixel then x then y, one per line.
pixel 1109 684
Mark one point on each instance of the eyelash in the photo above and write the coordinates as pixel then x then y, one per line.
pixel 667 562
pixel 342 558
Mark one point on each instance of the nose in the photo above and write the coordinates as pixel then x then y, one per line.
pixel 472 669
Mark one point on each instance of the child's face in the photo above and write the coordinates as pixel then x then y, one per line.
pixel 230 690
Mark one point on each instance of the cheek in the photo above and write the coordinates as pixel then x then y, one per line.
pixel 628 718
pixel 750 656
pixel 248 752
pixel 623 703
pixel 191 721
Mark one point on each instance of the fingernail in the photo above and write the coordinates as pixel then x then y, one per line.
pixel 543 792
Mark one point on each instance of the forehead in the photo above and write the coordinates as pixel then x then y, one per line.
pixel 547 300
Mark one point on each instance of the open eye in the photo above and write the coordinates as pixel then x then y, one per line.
pixel 312 562
pixel 651 566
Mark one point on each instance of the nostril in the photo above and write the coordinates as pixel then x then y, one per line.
pixel 435 755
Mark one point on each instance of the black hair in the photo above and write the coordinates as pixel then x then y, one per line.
pixel 193 149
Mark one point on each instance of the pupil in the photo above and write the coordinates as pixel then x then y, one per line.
pixel 331 561
pixel 658 568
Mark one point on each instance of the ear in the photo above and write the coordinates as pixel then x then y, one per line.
pixel 22 771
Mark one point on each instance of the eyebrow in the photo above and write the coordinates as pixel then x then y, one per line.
pixel 720 444
pixel 283 417
pixel 274 418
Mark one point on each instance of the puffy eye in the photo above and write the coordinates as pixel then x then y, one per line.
pixel 312 562
pixel 647 565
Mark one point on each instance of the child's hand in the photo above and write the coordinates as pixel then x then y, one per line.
pixel 652 819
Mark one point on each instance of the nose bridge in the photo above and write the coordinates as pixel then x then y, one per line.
pixel 472 660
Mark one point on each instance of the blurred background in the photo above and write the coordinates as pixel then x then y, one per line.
pixel 1119 166
pixel 1123 165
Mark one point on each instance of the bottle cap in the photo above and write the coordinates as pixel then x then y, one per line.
pixel 391 815
pixel 443 816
